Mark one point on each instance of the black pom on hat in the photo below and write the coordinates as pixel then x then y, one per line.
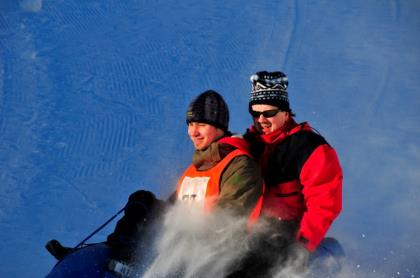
pixel 209 107
pixel 270 88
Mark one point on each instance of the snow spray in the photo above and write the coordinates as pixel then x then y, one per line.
pixel 193 244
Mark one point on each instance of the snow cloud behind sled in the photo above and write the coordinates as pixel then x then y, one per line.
pixel 191 244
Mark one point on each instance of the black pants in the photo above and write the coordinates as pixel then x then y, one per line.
pixel 271 246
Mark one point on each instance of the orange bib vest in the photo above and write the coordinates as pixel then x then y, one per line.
pixel 202 188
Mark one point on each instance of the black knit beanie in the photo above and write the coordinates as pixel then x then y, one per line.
pixel 210 108
pixel 270 88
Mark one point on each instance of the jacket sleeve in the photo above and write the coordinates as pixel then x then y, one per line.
pixel 241 186
pixel 321 177
pixel 142 209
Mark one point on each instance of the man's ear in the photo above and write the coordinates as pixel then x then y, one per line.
pixel 219 132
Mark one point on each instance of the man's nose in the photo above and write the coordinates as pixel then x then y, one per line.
pixel 261 118
pixel 194 131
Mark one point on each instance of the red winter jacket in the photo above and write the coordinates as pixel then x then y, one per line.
pixel 303 179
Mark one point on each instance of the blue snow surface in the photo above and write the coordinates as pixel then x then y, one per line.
pixel 93 96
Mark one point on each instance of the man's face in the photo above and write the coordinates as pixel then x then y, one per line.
pixel 202 135
pixel 266 125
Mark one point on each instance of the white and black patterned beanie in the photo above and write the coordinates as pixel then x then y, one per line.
pixel 270 88
pixel 209 107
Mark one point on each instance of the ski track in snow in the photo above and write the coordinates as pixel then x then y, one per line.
pixel 3 24
pixel 19 104
pixel 396 10
pixel 76 20
pixel 93 95
pixel 294 33
pixel 110 134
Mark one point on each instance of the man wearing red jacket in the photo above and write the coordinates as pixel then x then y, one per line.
pixel 302 173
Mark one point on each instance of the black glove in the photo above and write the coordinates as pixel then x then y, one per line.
pixel 141 211
pixel 142 204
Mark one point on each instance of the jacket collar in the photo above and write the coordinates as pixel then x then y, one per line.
pixel 207 158
pixel 216 151
pixel 289 128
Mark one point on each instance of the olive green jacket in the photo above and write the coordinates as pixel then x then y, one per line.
pixel 241 183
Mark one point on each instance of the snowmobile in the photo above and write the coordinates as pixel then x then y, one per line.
pixel 89 261
pixel 100 259
pixel 108 258
pixel 95 261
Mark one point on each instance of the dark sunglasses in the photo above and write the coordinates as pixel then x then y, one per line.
pixel 266 113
